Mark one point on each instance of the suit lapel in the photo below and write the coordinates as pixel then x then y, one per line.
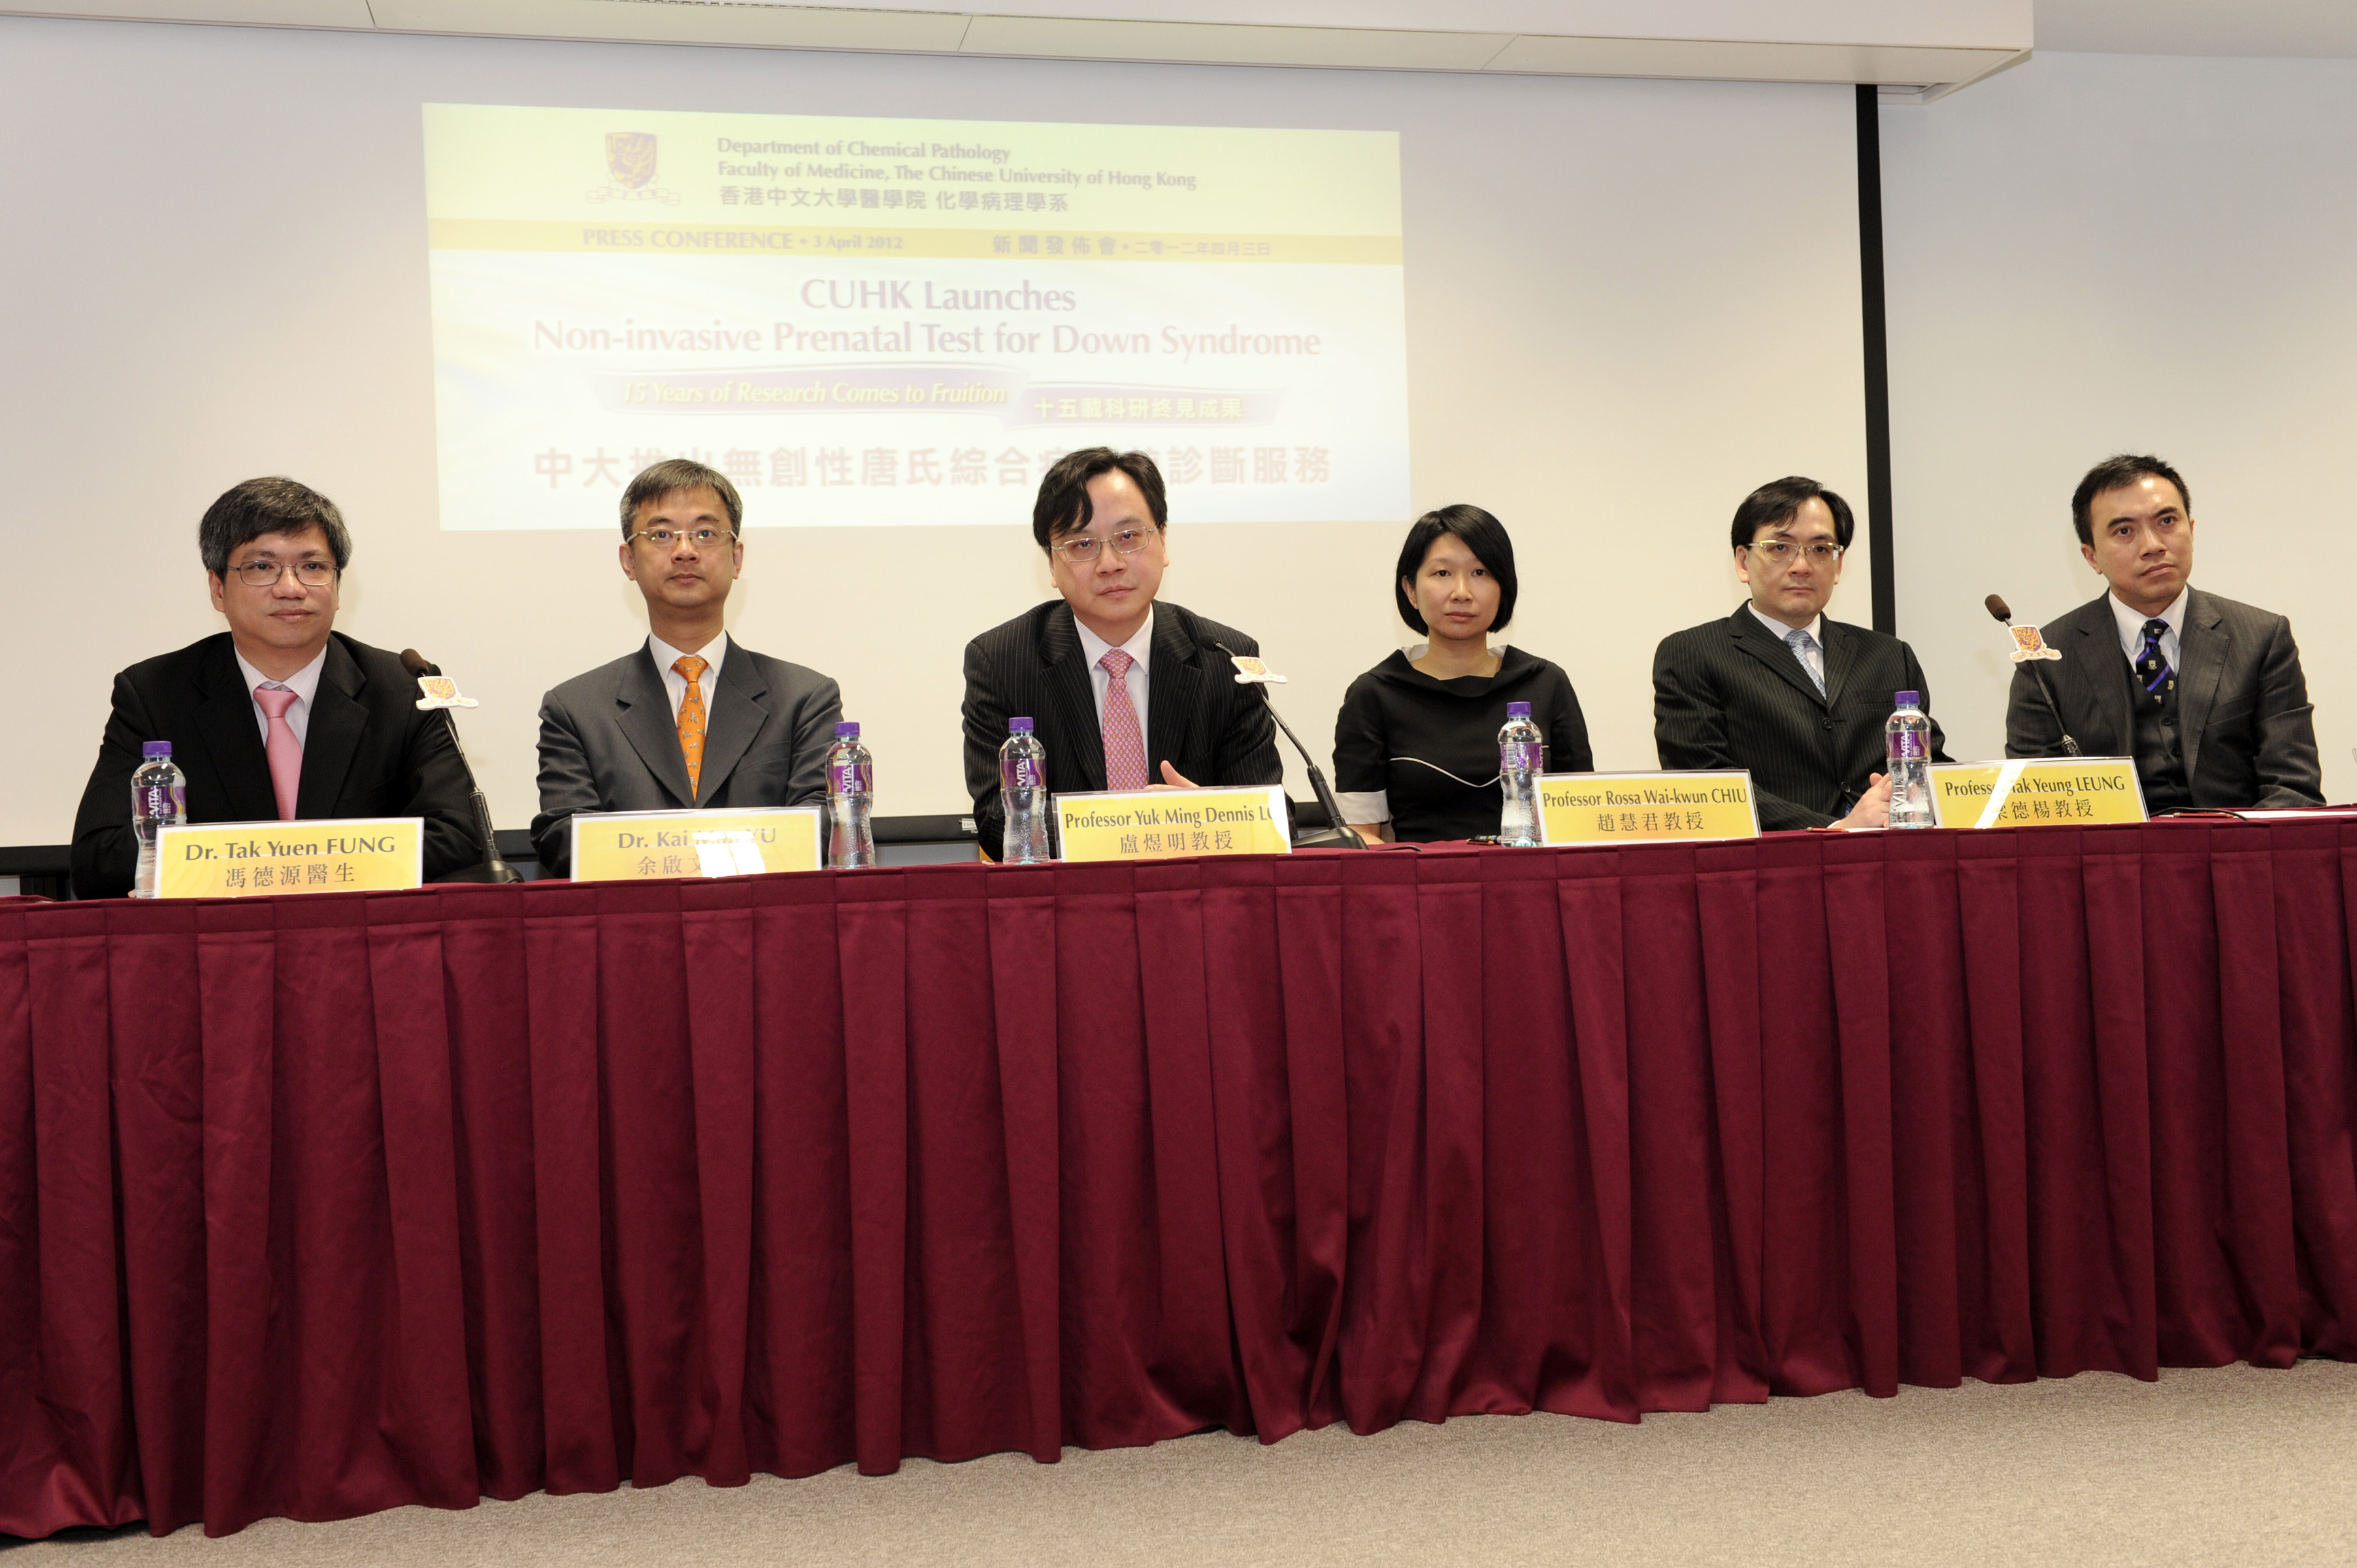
pixel 1841 658
pixel 647 723
pixel 2202 648
pixel 1770 650
pixel 1174 686
pixel 2101 673
pixel 1073 699
pixel 739 709
pixel 337 720
pixel 231 737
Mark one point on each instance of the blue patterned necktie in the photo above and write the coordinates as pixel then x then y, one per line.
pixel 1803 645
pixel 2152 666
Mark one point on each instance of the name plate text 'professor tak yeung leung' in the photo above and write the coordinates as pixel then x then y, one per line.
pixel 1160 824
pixel 2037 791
pixel 1647 808
pixel 241 860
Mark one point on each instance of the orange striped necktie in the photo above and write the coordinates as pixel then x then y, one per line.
pixel 691 719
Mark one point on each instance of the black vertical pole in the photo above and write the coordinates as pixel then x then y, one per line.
pixel 1878 359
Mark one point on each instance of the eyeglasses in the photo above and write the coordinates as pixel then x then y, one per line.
pixel 702 538
pixel 1082 549
pixel 263 573
pixel 1784 552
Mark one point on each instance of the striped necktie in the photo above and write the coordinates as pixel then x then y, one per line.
pixel 2153 672
pixel 1803 645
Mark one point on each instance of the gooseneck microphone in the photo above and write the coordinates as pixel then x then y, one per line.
pixel 492 869
pixel 1338 834
pixel 2004 616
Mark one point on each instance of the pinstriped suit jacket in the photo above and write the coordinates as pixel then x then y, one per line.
pixel 1196 718
pixel 1728 694
pixel 2248 730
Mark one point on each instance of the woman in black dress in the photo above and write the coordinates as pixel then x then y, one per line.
pixel 1416 746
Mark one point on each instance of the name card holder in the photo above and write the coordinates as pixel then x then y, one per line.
pixel 1161 825
pixel 647 846
pixel 1647 808
pixel 247 860
pixel 2037 792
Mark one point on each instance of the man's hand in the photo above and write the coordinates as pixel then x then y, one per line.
pixel 1174 780
pixel 1873 808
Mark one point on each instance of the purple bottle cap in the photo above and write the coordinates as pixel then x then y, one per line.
pixel 1908 699
pixel 1018 726
pixel 1518 710
pixel 847 730
pixel 155 748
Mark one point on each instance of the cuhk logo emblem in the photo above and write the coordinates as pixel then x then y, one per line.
pixel 631 170
pixel 630 158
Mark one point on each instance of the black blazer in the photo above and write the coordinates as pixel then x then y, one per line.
pixel 608 743
pixel 368 752
pixel 1729 693
pixel 1198 719
pixel 2242 702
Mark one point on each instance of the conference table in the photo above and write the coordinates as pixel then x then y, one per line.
pixel 314 1205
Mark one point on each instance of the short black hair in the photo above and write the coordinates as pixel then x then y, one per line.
pixel 275 505
pixel 657 480
pixel 1483 534
pixel 1063 503
pixel 1778 501
pixel 2116 472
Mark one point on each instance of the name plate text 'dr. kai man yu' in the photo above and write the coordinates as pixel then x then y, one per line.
pixel 240 860
pixel 1157 824
pixel 1647 808
pixel 647 846
pixel 2037 791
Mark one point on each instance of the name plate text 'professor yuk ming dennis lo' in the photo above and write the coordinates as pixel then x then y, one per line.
pixel 241 860
pixel 1159 824
pixel 647 846
pixel 1647 808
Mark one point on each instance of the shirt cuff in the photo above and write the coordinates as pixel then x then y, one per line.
pixel 1369 806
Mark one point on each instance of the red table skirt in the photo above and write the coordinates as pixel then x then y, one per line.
pixel 315 1206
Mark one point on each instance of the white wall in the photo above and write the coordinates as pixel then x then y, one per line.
pixel 2093 253
pixel 1628 302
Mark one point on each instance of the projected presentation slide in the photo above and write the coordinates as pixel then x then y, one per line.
pixel 906 321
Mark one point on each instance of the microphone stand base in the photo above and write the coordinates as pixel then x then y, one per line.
pixel 1330 838
pixel 494 871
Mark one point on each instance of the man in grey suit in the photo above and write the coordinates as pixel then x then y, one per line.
pixel 1777 687
pixel 2205 693
pixel 691 719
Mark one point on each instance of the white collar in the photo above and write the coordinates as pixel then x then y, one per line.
pixel 304 683
pixel 1815 629
pixel 665 655
pixel 2131 622
pixel 1140 643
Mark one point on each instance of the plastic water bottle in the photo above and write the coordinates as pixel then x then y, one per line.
pixel 1519 761
pixel 1023 786
pixel 850 800
pixel 1907 743
pixel 159 799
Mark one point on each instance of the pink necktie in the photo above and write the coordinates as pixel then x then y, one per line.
pixel 286 751
pixel 1125 746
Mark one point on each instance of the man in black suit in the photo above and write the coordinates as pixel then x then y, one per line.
pixel 1779 689
pixel 690 718
pixel 2205 693
pixel 1125 693
pixel 279 717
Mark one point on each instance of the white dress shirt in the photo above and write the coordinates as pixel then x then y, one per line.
pixel 675 683
pixel 1139 648
pixel 1815 658
pixel 2131 623
pixel 304 683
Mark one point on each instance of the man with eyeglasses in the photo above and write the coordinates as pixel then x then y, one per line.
pixel 2206 694
pixel 1124 693
pixel 690 719
pixel 281 717
pixel 1778 688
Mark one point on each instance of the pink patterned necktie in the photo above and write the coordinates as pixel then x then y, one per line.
pixel 286 751
pixel 1125 746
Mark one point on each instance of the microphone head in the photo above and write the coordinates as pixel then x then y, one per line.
pixel 414 662
pixel 1996 607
